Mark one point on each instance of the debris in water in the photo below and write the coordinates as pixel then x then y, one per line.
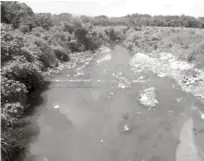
pixel 79 73
pixel 139 113
pixel 189 78
pixel 111 93
pixel 101 140
pixel 56 106
pixel 179 99
pixel 57 80
pixel 141 77
pixel 45 159
pixel 202 116
pixel 148 98
pixel 126 128
pixel 104 59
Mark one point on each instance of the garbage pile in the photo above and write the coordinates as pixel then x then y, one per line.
pixel 148 98
pixel 123 82
pixel 104 59
pixel 163 64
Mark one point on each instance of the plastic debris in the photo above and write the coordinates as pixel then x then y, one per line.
pixel 189 78
pixel 148 98
pixel 101 140
pixel 104 59
pixel 139 113
pixel 126 128
pixel 79 74
pixel 179 99
pixel 45 159
pixel 56 106
pixel 111 93
pixel 57 80
pixel 202 116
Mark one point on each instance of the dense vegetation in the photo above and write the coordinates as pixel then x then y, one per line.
pixel 32 44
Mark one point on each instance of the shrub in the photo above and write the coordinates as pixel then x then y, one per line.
pixel 38 31
pixel 60 53
pixel 75 46
pixel 24 29
pixel 10 45
pixel 196 54
pixel 24 72
pixel 111 33
pixel 12 111
pixel 41 51
pixel 12 91
pixel 15 141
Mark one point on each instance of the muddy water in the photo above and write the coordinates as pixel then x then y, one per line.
pixel 82 117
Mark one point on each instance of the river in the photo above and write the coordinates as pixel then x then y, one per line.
pixel 93 113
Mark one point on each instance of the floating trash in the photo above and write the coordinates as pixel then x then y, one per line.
pixel 123 82
pixel 139 113
pixel 79 73
pixel 179 99
pixel 111 94
pixel 104 59
pixel 148 98
pixel 56 106
pixel 101 140
pixel 45 159
pixel 126 128
pixel 202 116
pixel 57 80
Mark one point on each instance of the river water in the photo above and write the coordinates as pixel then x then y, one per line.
pixel 93 113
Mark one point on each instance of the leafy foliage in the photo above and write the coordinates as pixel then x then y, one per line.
pixel 12 91
pixel 60 53
pixel 10 45
pixel 24 72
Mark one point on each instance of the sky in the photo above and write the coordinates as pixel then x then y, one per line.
pixel 115 8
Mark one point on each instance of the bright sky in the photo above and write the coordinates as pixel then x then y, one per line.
pixel 120 7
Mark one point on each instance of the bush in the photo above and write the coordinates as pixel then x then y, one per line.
pixel 41 51
pixel 75 46
pixel 196 54
pixel 12 111
pixel 24 72
pixel 10 45
pixel 38 31
pixel 12 91
pixel 15 141
pixel 24 29
pixel 61 53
